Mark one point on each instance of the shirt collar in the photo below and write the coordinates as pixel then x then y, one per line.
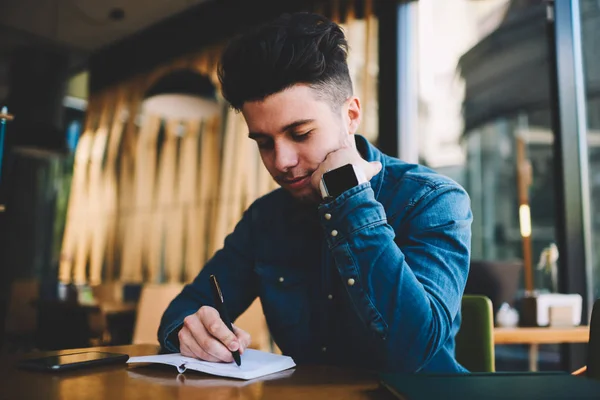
pixel 372 153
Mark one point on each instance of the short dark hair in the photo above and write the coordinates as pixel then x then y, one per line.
pixel 294 48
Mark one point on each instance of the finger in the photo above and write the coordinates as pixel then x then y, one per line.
pixel 192 347
pixel 189 347
pixel 205 340
pixel 375 167
pixel 185 350
pixel 328 155
pixel 244 338
pixel 217 328
pixel 217 350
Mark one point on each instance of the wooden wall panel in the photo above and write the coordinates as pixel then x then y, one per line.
pixel 137 250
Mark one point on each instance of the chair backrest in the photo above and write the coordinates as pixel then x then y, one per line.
pixel 497 280
pixel 593 357
pixel 154 300
pixel 475 339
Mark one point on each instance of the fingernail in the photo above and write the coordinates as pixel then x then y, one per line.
pixel 233 346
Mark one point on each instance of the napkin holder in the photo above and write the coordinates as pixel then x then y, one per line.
pixel 551 309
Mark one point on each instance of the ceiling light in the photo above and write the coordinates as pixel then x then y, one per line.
pixel 182 94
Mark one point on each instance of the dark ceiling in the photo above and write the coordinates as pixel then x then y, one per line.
pixel 78 27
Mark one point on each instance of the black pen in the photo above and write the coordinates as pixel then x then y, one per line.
pixel 220 305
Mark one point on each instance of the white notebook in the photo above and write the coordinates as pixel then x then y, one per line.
pixel 255 364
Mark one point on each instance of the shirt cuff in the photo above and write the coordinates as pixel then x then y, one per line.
pixel 171 338
pixel 353 210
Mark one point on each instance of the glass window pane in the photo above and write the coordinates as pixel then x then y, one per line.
pixel 484 120
pixel 590 37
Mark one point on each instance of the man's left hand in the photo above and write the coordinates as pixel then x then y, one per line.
pixel 346 155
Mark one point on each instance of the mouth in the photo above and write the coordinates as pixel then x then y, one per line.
pixel 295 183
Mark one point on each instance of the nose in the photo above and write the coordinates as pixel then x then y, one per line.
pixel 286 156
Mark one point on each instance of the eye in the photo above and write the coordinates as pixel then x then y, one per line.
pixel 301 136
pixel 264 144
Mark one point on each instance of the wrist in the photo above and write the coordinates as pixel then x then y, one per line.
pixel 336 181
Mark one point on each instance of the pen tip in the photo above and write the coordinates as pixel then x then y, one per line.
pixel 237 358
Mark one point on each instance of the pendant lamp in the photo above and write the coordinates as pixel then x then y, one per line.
pixel 182 94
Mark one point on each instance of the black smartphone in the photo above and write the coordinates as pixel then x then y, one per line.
pixel 73 361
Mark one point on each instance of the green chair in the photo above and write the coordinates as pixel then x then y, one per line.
pixel 475 339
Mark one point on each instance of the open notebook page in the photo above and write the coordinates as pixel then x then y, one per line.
pixel 255 364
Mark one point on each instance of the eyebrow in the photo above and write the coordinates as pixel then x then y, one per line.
pixel 286 128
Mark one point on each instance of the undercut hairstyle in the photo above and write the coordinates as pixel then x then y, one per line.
pixel 294 48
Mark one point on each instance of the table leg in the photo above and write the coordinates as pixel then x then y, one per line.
pixel 533 357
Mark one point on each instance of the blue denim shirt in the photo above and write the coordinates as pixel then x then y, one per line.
pixel 373 279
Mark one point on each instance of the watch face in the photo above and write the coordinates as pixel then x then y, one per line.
pixel 338 180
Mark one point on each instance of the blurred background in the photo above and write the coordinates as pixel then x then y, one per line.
pixel 123 169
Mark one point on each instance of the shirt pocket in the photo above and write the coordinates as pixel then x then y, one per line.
pixel 283 294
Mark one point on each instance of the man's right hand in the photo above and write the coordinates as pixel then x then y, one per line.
pixel 205 336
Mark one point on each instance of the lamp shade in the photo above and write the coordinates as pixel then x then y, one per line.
pixel 182 94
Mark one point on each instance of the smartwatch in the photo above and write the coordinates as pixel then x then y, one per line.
pixel 337 181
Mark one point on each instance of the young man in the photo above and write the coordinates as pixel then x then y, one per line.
pixel 359 259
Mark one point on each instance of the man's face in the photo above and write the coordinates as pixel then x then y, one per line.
pixel 295 131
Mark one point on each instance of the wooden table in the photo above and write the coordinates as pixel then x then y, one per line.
pixel 163 382
pixel 542 335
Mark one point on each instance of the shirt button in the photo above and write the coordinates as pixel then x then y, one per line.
pixel 330 297
pixel 281 279
pixel 334 233
pixel 323 349
pixel 376 327
pixel 328 216
pixel 351 282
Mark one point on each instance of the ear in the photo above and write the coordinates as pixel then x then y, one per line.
pixel 353 114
